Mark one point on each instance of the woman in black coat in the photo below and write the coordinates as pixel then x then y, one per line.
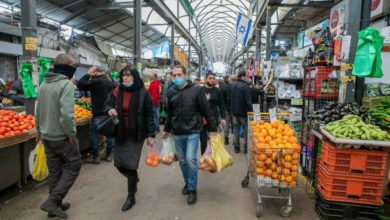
pixel 132 104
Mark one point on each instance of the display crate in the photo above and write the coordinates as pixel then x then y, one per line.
pixel 356 162
pixel 369 102
pixel 320 82
pixel 344 188
pixel 328 210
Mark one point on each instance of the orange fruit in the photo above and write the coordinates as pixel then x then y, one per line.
pixel 268 161
pixel 268 172
pixel 294 168
pixel 287 165
pixel 295 162
pixel 275 176
pixel 261 122
pixel 286 172
pixel 260 164
pixel 273 167
pixel 288 158
pixel 278 169
pixel 295 156
pixel 274 156
pixel 289 179
pixel 282 178
pixel 261 157
pixel 294 175
pixel 259 170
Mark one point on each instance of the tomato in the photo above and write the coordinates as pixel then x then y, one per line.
pixel 3 124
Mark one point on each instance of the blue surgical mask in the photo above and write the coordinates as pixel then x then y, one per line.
pixel 178 81
pixel 127 84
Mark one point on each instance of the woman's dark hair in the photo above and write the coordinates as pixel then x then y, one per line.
pixel 134 72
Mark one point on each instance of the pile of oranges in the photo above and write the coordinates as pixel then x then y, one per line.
pixel 81 113
pixel 276 152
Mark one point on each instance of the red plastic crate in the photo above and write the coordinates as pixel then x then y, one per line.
pixel 356 162
pixel 343 188
pixel 318 82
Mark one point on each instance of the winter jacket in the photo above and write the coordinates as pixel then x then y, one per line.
pixel 240 98
pixel 154 92
pixel 100 87
pixel 225 89
pixel 185 109
pixel 144 116
pixel 55 108
pixel 255 93
pixel 215 98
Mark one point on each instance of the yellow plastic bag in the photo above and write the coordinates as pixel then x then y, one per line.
pixel 220 155
pixel 40 171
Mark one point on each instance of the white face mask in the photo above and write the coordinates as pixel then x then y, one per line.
pixel 128 84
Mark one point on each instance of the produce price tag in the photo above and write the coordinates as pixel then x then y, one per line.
pixel 272 114
pixel 256 113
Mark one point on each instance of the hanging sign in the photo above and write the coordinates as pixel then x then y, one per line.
pixel 31 44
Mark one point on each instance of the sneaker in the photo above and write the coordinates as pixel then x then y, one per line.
pixel 53 209
pixel 191 199
pixel 108 158
pixel 184 191
pixel 64 206
pixel 94 160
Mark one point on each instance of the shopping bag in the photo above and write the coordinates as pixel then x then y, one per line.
pixel 221 157
pixel 38 159
pixel 168 151
pixel 206 161
pixel 152 157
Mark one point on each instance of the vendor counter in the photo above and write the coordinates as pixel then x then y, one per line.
pixel 15 152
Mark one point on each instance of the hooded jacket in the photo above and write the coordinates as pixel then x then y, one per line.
pixel 154 92
pixel 185 109
pixel 55 108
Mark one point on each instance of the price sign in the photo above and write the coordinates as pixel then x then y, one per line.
pixel 272 114
pixel 256 113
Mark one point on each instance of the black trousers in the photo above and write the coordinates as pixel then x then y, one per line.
pixel 132 179
pixel 64 163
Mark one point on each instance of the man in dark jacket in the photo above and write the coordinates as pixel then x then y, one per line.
pixel 100 87
pixel 57 130
pixel 215 98
pixel 225 88
pixel 240 104
pixel 186 106
pixel 154 92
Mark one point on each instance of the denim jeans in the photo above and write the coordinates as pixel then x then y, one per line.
pixel 94 139
pixel 187 152
pixel 156 118
pixel 237 123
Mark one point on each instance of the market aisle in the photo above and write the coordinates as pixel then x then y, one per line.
pixel 100 192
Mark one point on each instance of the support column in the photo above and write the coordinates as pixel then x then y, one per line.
pixel 365 18
pixel 189 44
pixel 137 34
pixel 172 55
pixel 268 40
pixel 200 63
pixel 29 44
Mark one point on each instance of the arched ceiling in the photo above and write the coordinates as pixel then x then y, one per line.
pixel 217 19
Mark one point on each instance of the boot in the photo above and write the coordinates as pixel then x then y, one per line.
pixel 95 158
pixel 131 186
pixel 184 191
pixel 53 208
pixel 191 199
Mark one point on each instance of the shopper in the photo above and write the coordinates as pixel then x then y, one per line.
pixel 57 130
pixel 240 104
pixel 186 106
pixel 135 113
pixel 215 98
pixel 100 86
pixel 154 92
pixel 225 88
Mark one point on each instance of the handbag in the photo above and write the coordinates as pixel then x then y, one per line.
pixel 107 125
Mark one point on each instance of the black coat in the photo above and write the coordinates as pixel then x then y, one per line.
pixel 225 88
pixel 185 109
pixel 256 92
pixel 240 98
pixel 100 87
pixel 144 115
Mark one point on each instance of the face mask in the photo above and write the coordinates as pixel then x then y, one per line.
pixel 179 81
pixel 127 84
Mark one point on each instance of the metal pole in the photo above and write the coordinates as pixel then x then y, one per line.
pixel 29 44
pixel 189 44
pixel 172 55
pixel 365 18
pixel 137 34
pixel 200 63
pixel 268 40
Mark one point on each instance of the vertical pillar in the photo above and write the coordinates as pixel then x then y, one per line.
pixel 365 18
pixel 172 55
pixel 268 40
pixel 137 34
pixel 200 63
pixel 189 44
pixel 29 44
